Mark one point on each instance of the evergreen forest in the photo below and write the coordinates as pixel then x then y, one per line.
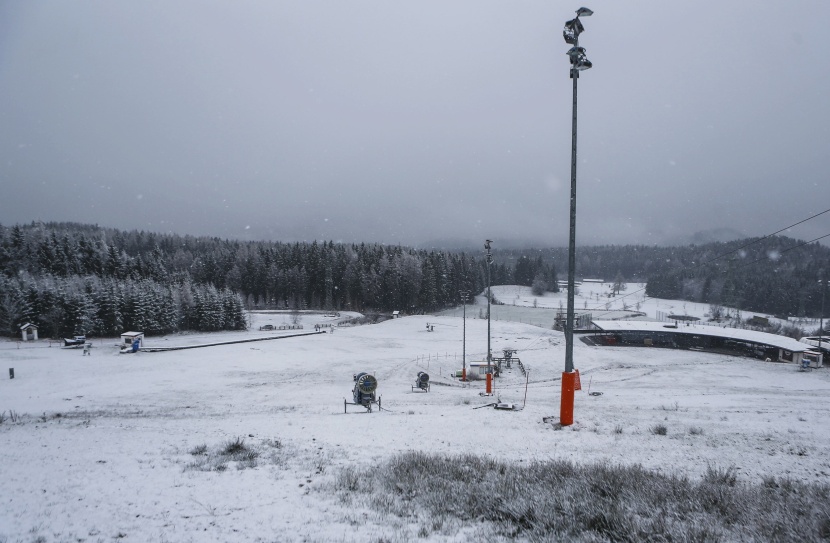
pixel 776 275
pixel 70 278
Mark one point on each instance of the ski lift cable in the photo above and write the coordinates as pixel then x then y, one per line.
pixel 535 340
pixel 784 251
pixel 765 237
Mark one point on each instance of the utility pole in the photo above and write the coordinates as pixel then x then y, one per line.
pixel 823 282
pixel 464 295
pixel 489 389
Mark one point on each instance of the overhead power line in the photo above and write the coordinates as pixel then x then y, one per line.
pixel 765 237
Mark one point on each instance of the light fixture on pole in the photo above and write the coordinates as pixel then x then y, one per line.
pixel 464 295
pixel 579 62
pixel 489 388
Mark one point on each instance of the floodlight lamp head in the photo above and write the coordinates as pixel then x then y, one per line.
pixel 578 58
pixel 584 12
pixel 573 29
pixel 487 243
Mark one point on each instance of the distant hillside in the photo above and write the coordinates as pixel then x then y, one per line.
pixel 74 278
pixel 776 275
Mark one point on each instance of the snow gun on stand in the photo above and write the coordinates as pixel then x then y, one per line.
pixel 421 382
pixel 363 393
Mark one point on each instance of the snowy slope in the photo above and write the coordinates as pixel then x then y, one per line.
pixel 102 444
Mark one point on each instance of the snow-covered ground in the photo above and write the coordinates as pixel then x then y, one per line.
pixel 598 299
pixel 102 444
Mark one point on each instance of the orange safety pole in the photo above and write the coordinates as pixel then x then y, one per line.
pixel 566 406
pixel 489 383
pixel 464 374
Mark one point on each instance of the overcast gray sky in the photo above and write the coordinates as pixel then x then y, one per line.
pixel 414 121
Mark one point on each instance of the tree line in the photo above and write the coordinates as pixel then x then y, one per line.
pixel 95 306
pixel 778 275
pixel 73 278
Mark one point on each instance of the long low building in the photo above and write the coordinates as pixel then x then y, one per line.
pixel 702 337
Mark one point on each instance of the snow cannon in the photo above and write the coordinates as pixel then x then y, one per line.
pixel 363 393
pixel 365 384
pixel 421 382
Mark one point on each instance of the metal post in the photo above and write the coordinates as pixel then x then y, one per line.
pixel 464 295
pixel 569 325
pixel 821 316
pixel 578 62
pixel 488 314
pixel 489 355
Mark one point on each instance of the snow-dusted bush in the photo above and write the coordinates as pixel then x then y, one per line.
pixel 234 452
pixel 561 501
pixel 659 430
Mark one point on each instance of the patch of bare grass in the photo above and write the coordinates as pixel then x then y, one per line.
pixel 233 453
pixel 560 501
pixel 659 430
pixel 13 417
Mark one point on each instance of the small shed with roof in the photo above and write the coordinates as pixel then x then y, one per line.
pixel 28 332
pixel 128 339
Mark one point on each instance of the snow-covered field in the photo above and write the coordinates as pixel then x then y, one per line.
pixel 101 446
pixel 597 299
pixel 518 303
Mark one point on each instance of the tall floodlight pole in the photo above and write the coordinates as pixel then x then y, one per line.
pixel 464 295
pixel 489 389
pixel 579 62
pixel 823 282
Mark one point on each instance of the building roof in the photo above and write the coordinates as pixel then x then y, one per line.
pixel 814 342
pixel 132 334
pixel 773 340
pixel 28 325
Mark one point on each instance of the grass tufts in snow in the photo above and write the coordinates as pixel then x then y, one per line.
pixel 696 431
pixel 561 501
pixel 659 430
pixel 234 447
pixel 675 407
pixel 236 453
pixel 721 476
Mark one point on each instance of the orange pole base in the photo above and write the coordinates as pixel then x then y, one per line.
pixel 566 406
pixel 489 389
